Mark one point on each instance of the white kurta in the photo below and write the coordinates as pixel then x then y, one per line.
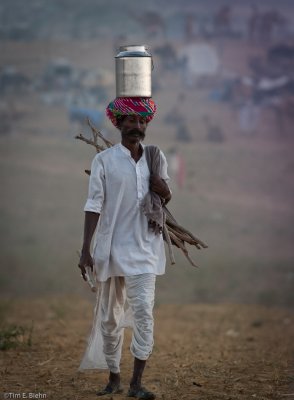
pixel 124 246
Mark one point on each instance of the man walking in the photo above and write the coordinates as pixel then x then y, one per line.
pixel 128 250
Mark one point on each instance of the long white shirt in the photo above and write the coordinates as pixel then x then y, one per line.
pixel 124 245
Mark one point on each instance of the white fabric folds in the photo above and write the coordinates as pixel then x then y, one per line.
pixel 123 244
pixel 121 302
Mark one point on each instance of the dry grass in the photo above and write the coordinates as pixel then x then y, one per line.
pixel 201 351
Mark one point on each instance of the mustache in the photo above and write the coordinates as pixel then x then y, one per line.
pixel 135 131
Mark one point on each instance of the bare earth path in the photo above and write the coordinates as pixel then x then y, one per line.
pixel 202 352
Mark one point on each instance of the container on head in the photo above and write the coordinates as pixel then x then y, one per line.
pixel 133 66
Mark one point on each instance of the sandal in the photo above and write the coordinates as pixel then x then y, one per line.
pixel 141 393
pixel 116 389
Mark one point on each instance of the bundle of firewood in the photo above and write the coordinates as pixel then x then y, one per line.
pixel 173 232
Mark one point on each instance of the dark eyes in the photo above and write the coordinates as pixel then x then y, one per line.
pixel 142 121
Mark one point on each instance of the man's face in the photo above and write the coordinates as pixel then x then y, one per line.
pixel 133 128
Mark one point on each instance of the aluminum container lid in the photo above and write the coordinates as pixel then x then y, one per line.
pixel 133 50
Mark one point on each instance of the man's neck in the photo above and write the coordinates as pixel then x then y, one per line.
pixel 135 149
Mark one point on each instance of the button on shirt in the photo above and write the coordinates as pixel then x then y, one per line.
pixel 123 244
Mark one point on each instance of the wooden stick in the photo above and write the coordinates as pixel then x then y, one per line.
pixel 99 134
pixel 169 216
pixel 172 222
pixel 184 237
pixel 169 244
pixel 181 245
pixel 182 229
pixel 98 147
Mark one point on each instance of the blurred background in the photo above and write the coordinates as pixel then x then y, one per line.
pixel 223 81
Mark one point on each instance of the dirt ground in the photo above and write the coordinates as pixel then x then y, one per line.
pixel 242 193
pixel 201 352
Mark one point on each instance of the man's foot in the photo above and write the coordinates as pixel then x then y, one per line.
pixel 113 385
pixel 110 389
pixel 141 393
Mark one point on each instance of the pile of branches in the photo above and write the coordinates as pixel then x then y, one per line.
pixel 173 232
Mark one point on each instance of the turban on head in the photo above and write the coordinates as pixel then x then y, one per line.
pixel 121 106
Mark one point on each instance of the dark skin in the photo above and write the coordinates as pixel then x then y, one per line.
pixel 132 129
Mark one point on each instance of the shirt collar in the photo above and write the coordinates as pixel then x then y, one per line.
pixel 127 151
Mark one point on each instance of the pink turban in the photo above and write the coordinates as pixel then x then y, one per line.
pixel 121 106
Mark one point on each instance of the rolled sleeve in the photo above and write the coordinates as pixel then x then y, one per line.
pixel 96 191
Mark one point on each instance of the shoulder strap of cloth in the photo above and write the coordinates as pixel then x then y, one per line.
pixel 152 204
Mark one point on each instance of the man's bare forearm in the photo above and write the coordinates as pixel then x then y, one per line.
pixel 91 220
pixel 159 186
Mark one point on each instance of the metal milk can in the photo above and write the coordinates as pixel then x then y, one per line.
pixel 133 65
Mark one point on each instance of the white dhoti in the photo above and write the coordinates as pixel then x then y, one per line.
pixel 121 302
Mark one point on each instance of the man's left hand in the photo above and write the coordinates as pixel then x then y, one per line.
pixel 159 186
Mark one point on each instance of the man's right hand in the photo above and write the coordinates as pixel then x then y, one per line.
pixel 85 261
